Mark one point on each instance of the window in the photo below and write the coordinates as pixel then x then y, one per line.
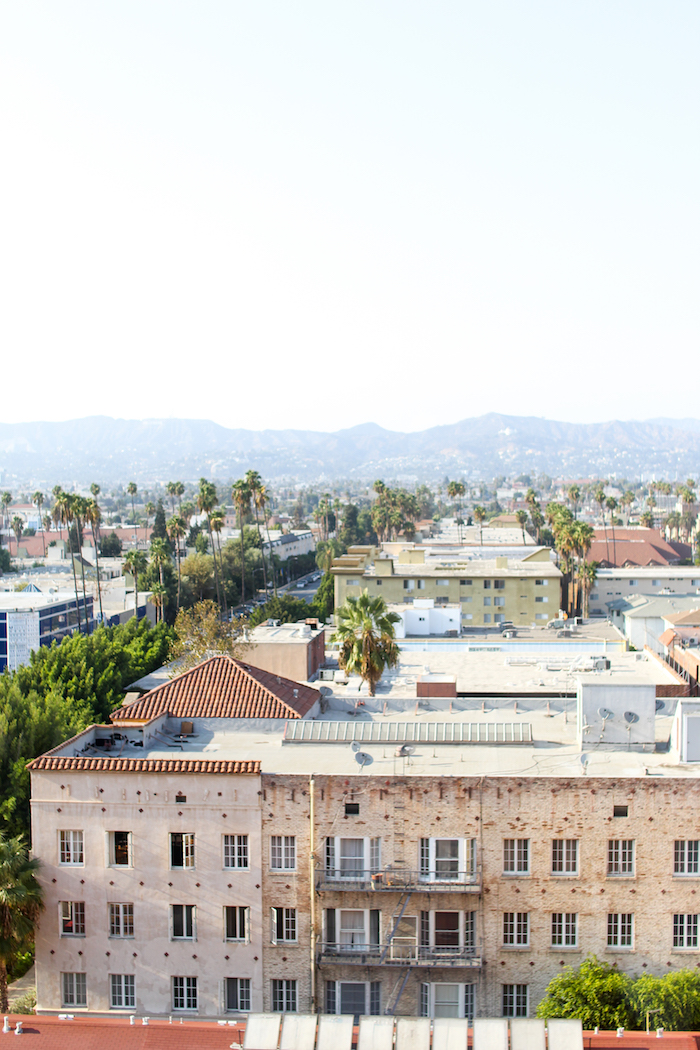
pixel 516 856
pixel 351 997
pixel 470 930
pixel 180 798
pixel 514 1000
pixel 487 585
pixel 284 925
pixel 284 997
pixel 487 617
pixel 685 931
pixel 487 600
pixel 540 599
pixel 465 583
pixel 621 857
pixel 540 616
pixel 283 853
pixel 541 583
pixel 620 811
pixel 442 583
pixel 182 850
pixel 74 989
pixel 564 929
pixel 516 929
pixel 122 991
pixel 237 994
pixel 685 857
pixel 352 583
pixel 443 860
pixel 499 601
pixel 378 583
pixel 120 848
pixel 620 930
pixel 499 585
pixel 499 617
pixel 72 918
pixel 633 583
pixel 235 851
pixel 408 585
pixel 564 856
pixel 447 1000
pixel 235 923
pixel 71 847
pixel 352 809
pixel 656 583
pixel 355 858
pixel 182 916
pixel 121 920
pixel 447 929
pixel 184 993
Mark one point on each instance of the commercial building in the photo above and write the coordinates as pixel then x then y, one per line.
pixel 30 619
pixel 489 591
pixel 292 650
pixel 657 581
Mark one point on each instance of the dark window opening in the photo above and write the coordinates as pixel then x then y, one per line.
pixel 620 811
pixel 352 809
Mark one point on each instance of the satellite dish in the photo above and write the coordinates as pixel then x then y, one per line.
pixel 605 713
pixel 405 750
pixel 362 758
pixel 631 717
pixel 355 746
pixel 660 705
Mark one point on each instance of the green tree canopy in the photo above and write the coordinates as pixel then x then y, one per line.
pixel 365 630
pixel 21 901
pixel 597 993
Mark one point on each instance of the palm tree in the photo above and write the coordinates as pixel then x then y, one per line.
pixel 160 555
pixel 80 517
pixel 93 515
pixel 480 517
pixel 646 520
pixel 206 501
pixel 170 490
pixel 132 490
pixel 521 516
pixel 589 574
pixel 5 500
pixel 38 501
pixel 21 902
pixel 262 500
pixel 177 529
pixel 254 482
pixel 150 509
pixel 179 490
pixel 366 634
pixel 626 501
pixel 611 504
pixel 599 497
pixel 135 564
pixel 574 494
pixel 63 514
pixel 17 526
pixel 158 596
pixel 217 520
pixel 241 499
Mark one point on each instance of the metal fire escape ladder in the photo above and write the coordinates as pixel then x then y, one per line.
pixel 395 920
pixel 391 1007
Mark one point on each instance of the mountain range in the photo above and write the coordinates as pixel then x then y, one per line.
pixel 99 448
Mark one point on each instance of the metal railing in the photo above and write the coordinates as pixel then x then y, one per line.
pixel 398 880
pixel 402 952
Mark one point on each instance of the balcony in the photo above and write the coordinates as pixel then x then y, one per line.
pixel 398 880
pixel 401 952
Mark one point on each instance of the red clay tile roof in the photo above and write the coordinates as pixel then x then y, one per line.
pixel 143 765
pixel 634 547
pixel 667 637
pixel 223 688
pixel 116 1033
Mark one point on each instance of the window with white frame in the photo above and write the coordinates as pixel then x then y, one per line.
pixel 516 929
pixel 686 857
pixel 516 856
pixel 122 989
pixel 283 855
pixel 447 1000
pixel 514 999
pixel 564 856
pixel 541 583
pixel 442 583
pixel 564 929
pixel 354 859
pixel 620 929
pixel 447 860
pixel 119 848
pixel 620 857
pixel 499 601
pixel 353 997
pixel 182 922
pixel 74 989
pixel 235 851
pixel 283 925
pixel 236 923
pixel 70 847
pixel 121 920
pixel 487 600
pixel 185 993
pixel 499 585
pixel 284 997
pixel 182 850
pixel 487 617
pixel 351 929
pixel 685 931
pixel 237 991
pixel 72 918
pixel 446 932
pixel 540 599
pixel 408 585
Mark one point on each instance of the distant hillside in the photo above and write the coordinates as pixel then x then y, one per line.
pixel 107 450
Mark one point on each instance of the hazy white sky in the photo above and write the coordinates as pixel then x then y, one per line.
pixel 315 214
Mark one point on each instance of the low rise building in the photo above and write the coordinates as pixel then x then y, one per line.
pixel 292 650
pixel 30 619
pixel 658 581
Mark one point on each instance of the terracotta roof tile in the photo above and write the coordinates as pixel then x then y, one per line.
pixel 223 688
pixel 634 547
pixel 143 765
pixel 115 1033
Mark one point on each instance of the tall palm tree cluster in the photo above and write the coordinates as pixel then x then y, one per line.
pixel 75 513
pixel 572 541
pixel 394 511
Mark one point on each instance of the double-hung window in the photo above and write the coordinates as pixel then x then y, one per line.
pixel 514 1000
pixel 516 929
pixel 122 991
pixel 516 856
pixel 620 929
pixel 620 857
pixel 686 857
pixel 447 1000
pixel 353 859
pixel 283 855
pixel 564 856
pixel 685 931
pixel 121 920
pixel 284 996
pixel 71 847
pixel 283 925
pixel 236 923
pixel 72 918
pixel 237 994
pixel 447 860
pixel 119 845
pixel 74 989
pixel 235 851
pixel 353 997
pixel 564 929
pixel 182 850
pixel 185 993
pixel 351 929
pixel 183 922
